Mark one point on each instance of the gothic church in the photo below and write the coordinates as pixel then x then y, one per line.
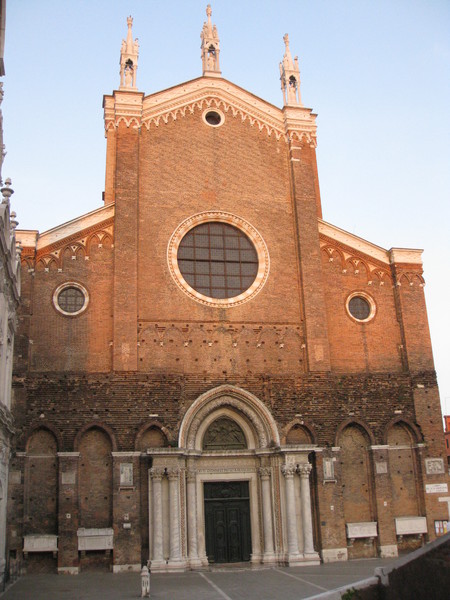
pixel 208 372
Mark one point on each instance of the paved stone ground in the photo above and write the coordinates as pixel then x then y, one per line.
pixel 277 583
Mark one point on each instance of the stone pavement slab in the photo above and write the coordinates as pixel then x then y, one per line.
pixel 293 583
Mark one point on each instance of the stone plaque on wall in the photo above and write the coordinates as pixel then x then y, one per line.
pixel 68 477
pixel 436 488
pixel 381 467
pixel 434 466
pixel 15 477
pixel 95 539
pixel 126 474
pixel 328 469
pixel 410 525
pixel 362 530
pixel 40 543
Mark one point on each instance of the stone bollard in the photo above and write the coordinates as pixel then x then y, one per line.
pixel 145 582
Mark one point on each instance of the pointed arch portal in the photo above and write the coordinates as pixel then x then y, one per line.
pixel 226 482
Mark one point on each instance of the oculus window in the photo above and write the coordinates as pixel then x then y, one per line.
pixel 360 307
pixel 70 299
pixel 214 118
pixel 218 259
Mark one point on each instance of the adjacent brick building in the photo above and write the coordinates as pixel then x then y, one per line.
pixel 206 370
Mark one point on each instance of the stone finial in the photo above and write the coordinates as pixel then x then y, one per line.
pixel 7 191
pixel 129 53
pixel 210 47
pixel 14 222
pixel 290 77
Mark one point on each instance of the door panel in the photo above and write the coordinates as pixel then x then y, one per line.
pixel 227 522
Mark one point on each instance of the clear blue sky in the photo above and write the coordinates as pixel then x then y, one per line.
pixel 376 72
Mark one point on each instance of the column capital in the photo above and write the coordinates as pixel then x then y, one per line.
pixel 288 471
pixel 157 473
pixel 173 473
pixel 304 469
pixel 191 475
pixel 264 472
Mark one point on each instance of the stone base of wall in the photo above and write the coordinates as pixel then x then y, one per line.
pixel 127 568
pixel 334 554
pixel 389 551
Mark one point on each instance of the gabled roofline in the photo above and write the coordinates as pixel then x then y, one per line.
pixel 392 256
pixel 196 79
pixel 41 240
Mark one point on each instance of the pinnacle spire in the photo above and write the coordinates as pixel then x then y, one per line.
pixel 129 53
pixel 290 77
pixel 210 47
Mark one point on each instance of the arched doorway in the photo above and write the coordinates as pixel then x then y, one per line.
pixel 226 503
pixel 229 491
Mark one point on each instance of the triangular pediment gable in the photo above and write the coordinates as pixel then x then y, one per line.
pixel 202 93
pixel 76 234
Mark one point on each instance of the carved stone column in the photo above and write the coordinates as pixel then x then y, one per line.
pixel 294 556
pixel 269 555
pixel 308 542
pixel 174 518
pixel 191 477
pixel 157 529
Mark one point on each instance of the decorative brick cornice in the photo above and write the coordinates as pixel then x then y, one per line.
pixel 351 256
pixel 79 237
pixel 198 94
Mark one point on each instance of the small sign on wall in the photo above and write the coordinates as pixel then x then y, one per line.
pixel 441 527
pixel 126 474
pixel 436 488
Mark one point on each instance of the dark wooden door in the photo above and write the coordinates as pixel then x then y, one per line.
pixel 227 521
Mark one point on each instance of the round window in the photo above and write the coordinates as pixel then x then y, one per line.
pixel 361 307
pixel 217 258
pixel 70 299
pixel 215 118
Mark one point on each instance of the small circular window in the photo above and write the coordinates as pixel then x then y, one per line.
pixel 215 118
pixel 70 299
pixel 218 259
pixel 361 307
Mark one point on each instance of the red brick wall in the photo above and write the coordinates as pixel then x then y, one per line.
pixel 95 479
pixel 63 343
pixel 356 347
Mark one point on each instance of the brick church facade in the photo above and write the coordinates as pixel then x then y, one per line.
pixel 206 370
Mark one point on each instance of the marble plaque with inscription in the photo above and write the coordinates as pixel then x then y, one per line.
pixel 367 529
pixel 40 543
pixel 328 469
pixel 410 525
pixel 436 488
pixel 95 539
pixel 126 474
